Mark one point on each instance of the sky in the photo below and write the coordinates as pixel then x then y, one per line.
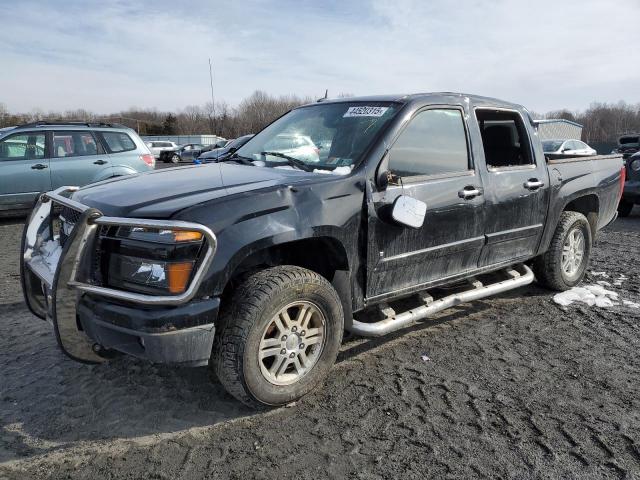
pixel 107 56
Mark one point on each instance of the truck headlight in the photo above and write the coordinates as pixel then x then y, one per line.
pixel 635 165
pixel 148 260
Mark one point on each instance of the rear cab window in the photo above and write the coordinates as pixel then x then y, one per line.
pixel 433 143
pixel 504 139
pixel 118 142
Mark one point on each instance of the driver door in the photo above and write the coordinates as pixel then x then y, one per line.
pixel 431 160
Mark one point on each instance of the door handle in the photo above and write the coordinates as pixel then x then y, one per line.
pixel 100 162
pixel 39 166
pixel 469 192
pixel 533 184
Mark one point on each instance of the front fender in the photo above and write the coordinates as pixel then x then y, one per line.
pixel 326 215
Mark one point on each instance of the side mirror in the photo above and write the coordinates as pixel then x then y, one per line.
pixel 383 180
pixel 408 211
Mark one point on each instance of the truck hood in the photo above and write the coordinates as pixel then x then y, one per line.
pixel 162 193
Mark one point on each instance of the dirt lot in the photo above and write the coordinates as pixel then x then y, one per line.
pixel 515 387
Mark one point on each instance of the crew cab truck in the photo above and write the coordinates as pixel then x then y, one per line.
pixel 256 265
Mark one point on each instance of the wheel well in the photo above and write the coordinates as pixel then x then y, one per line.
pixel 323 255
pixel 589 206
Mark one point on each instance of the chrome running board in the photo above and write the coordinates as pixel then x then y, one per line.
pixel 520 277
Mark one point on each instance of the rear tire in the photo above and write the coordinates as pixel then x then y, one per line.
pixel 624 208
pixel 284 319
pixel 564 264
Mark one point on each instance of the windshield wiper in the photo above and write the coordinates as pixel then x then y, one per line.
pixel 294 162
pixel 238 158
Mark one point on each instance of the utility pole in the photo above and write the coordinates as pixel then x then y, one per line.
pixel 213 105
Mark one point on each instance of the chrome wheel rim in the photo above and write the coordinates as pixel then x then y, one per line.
pixel 175 159
pixel 292 343
pixel 573 252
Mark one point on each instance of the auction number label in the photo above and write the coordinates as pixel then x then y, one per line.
pixel 365 111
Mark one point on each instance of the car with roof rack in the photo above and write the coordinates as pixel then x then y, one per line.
pixel 255 265
pixel 41 156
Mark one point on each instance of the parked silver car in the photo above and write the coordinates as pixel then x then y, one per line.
pixel 570 148
pixel 299 147
pixel 42 156
pixel 156 147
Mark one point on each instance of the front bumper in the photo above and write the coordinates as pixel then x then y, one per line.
pixel 181 335
pixel 89 318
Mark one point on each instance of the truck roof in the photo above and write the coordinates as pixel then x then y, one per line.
pixel 434 97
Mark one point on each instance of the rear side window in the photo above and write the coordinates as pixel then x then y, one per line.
pixel 73 144
pixel 434 143
pixel 118 142
pixel 22 146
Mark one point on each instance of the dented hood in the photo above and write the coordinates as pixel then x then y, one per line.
pixel 162 193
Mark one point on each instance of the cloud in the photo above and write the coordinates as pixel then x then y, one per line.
pixel 107 56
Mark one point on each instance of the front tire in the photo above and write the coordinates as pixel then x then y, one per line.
pixel 175 158
pixel 278 337
pixel 564 264
pixel 624 208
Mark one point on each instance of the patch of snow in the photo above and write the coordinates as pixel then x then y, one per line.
pixel 589 294
pixel 599 274
pixel 425 358
pixel 631 304
pixel 604 283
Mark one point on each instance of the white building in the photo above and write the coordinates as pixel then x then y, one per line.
pixel 183 139
pixel 558 129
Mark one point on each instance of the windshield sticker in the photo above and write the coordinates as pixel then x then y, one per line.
pixel 365 112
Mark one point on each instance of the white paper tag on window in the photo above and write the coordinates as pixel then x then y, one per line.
pixel 365 111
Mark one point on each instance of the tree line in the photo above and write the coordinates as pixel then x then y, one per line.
pixel 603 122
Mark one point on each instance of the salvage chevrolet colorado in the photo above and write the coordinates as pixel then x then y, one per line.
pixel 256 265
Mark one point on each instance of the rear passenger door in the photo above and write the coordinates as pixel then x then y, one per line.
pixel 430 161
pixel 77 159
pixel 516 187
pixel 24 169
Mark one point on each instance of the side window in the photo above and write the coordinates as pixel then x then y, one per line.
pixel 73 144
pixel 22 146
pixel 434 142
pixel 118 141
pixel 504 139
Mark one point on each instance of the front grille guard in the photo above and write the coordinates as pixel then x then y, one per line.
pixel 38 230
pixel 52 280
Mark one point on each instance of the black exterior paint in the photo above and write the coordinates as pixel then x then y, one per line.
pixel 253 210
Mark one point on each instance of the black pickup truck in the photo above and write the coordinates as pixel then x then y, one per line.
pixel 256 266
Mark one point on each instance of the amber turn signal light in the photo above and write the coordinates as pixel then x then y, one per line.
pixel 178 275
pixel 186 236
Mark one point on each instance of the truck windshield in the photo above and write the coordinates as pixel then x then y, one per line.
pixel 324 137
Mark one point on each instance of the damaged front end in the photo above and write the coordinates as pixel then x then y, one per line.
pixel 62 253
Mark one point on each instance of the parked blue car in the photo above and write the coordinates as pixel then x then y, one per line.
pixel 218 154
pixel 42 156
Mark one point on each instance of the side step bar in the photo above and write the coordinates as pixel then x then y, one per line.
pixel 395 322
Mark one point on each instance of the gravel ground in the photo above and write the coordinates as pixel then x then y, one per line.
pixel 514 386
